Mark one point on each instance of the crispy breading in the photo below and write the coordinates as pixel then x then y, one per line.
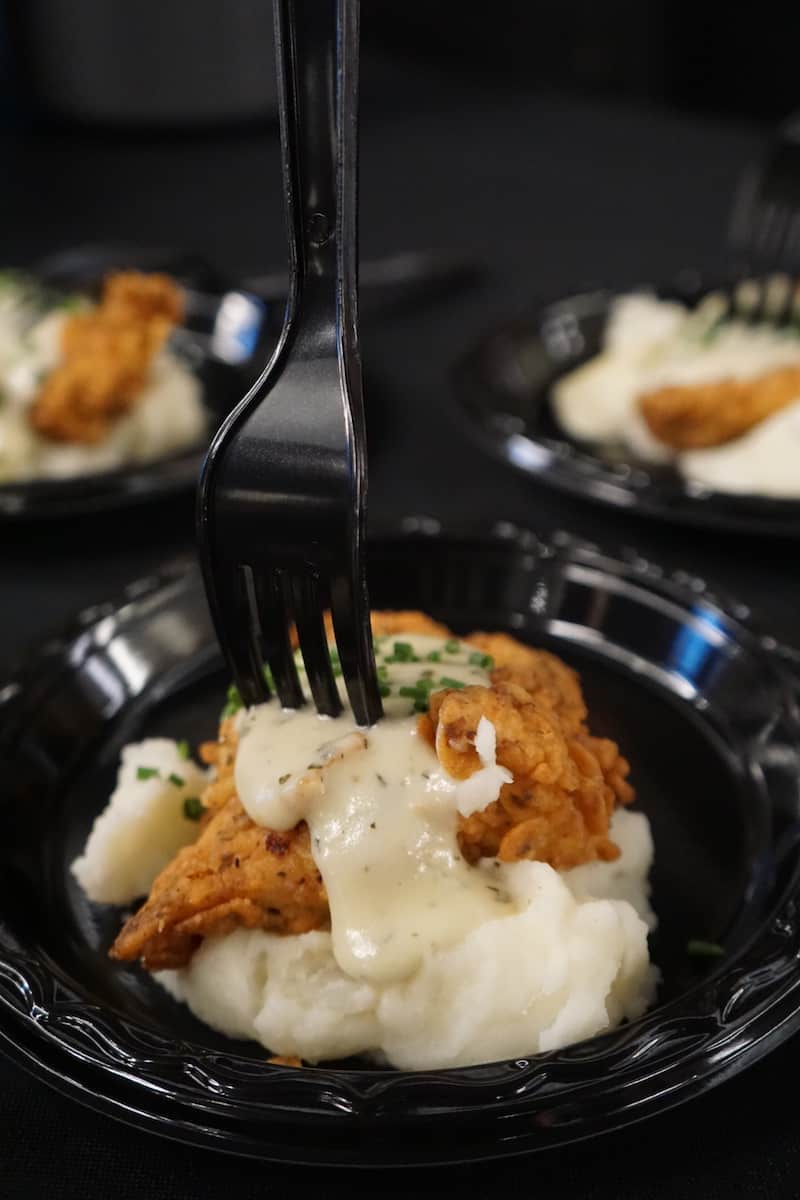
pixel 387 622
pixel 695 416
pixel 221 755
pixel 557 808
pixel 134 296
pixel 406 620
pixel 236 873
pixel 106 356
pixel 541 674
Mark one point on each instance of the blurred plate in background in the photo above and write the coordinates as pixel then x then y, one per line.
pixel 502 391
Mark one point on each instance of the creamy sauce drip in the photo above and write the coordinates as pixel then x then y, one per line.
pixel 382 814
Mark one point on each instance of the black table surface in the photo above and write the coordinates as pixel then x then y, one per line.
pixel 550 193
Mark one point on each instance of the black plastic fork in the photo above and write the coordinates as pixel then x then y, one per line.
pixel 282 499
pixel 764 228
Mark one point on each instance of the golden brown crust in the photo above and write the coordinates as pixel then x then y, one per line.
pixel 566 785
pixel 236 874
pixel 546 678
pixel 696 416
pixel 557 809
pixel 106 356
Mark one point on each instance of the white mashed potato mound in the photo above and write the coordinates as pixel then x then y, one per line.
pixel 764 460
pixel 651 343
pixel 168 414
pixel 569 961
pixel 143 825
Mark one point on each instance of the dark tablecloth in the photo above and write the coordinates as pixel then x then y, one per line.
pixel 551 193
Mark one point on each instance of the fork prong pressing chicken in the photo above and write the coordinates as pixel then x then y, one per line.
pixel 566 784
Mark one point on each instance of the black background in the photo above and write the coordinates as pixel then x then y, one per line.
pixel 551 188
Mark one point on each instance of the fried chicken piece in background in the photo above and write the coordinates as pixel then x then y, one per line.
pixel 699 415
pixel 557 809
pixel 106 356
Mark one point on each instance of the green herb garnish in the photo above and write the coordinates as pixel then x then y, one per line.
pixel 183 748
pixel 233 701
pixel 402 652
pixel 384 688
pixel 434 656
pixel 700 949
pixel 447 682
pixel 452 646
pixel 143 773
pixel 193 808
pixel 478 659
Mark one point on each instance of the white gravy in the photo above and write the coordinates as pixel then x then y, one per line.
pixel 382 814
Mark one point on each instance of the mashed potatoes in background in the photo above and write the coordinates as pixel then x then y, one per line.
pixel 651 343
pixel 168 415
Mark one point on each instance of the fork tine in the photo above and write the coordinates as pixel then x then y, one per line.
pixel 351 623
pixel 233 610
pixel 308 606
pixel 274 607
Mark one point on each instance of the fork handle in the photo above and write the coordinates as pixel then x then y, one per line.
pixel 317 44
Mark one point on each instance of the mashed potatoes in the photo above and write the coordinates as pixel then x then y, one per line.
pixel 144 823
pixel 653 344
pixel 560 967
pixel 559 957
pixel 168 414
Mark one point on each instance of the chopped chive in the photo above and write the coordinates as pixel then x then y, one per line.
pixel 452 646
pixel 384 688
pixel 282 778
pixel 434 656
pixel 383 672
pixel 147 772
pixel 407 691
pixel 403 652
pixel 700 949
pixel 447 682
pixel 193 808
pixel 176 779
pixel 183 748
pixel 233 701
pixel 478 659
pixel 421 704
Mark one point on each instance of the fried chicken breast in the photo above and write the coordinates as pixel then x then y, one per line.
pixel 106 356
pixel 566 784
